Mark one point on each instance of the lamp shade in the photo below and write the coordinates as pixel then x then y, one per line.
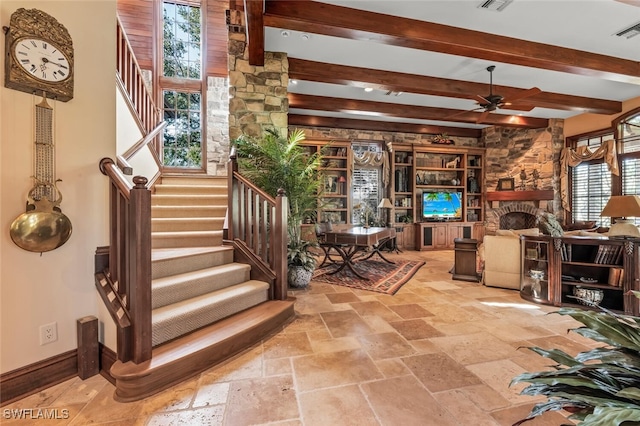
pixel 385 204
pixel 622 206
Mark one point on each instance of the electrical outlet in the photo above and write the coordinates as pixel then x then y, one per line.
pixel 48 333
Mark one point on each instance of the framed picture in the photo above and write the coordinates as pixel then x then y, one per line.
pixel 331 185
pixel 506 184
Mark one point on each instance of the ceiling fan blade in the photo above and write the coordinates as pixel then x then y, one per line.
pixel 481 100
pixel 460 113
pixel 526 94
pixel 483 116
pixel 517 107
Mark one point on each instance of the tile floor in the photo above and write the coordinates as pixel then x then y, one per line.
pixel 439 352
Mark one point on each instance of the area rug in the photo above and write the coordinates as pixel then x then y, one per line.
pixel 383 277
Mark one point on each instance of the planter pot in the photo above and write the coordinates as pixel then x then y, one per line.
pixel 299 277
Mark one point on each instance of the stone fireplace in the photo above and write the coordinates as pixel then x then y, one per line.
pixel 516 209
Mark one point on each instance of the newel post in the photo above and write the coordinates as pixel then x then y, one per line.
pixel 280 241
pixel 139 255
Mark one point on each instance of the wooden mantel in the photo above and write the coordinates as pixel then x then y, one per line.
pixel 546 194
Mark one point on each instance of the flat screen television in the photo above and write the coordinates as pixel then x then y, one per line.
pixel 442 205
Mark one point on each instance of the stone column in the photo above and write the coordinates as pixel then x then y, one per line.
pixel 258 93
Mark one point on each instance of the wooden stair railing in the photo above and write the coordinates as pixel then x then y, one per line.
pixel 124 279
pixel 140 101
pixel 259 222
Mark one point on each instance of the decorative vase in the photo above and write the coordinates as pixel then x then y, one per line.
pixel 299 277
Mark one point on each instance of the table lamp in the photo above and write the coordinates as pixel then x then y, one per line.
pixel 623 206
pixel 386 204
pixel 341 181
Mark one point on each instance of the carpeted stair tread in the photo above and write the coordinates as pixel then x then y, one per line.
pixel 171 321
pixel 173 288
pixel 193 180
pixel 186 239
pixel 188 211
pixel 171 261
pixel 191 189
pixel 186 224
pixel 188 199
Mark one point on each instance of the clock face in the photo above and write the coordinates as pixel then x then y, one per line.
pixel 42 60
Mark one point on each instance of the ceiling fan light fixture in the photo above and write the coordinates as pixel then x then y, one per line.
pixel 630 32
pixel 496 5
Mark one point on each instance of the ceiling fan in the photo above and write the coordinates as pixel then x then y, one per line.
pixel 492 102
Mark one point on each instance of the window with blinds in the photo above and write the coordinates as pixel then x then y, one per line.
pixel 365 185
pixel 590 184
pixel 591 189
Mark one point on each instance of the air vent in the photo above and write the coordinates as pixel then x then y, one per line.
pixel 497 5
pixel 629 32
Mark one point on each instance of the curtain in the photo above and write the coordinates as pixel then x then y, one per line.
pixel 375 159
pixel 572 157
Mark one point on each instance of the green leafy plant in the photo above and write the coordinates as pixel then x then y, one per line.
pixel 273 162
pixel 601 387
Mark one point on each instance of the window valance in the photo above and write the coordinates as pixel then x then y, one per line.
pixel 572 157
pixel 374 159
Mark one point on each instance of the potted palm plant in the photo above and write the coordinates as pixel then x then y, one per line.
pixel 273 162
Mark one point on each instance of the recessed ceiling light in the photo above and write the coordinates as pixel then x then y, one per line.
pixel 294 82
pixel 305 37
pixel 285 33
pixel 368 89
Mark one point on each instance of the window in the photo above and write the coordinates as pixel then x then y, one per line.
pixel 591 189
pixel 181 85
pixel 629 131
pixel 366 184
pixel 590 184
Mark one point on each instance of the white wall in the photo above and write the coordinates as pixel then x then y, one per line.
pixel 57 286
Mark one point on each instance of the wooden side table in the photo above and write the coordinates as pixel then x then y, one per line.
pixel 464 268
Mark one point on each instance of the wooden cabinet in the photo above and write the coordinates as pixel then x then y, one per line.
pixel 440 236
pixel 573 267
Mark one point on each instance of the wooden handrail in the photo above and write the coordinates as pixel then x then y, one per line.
pixel 130 75
pixel 260 221
pixel 128 269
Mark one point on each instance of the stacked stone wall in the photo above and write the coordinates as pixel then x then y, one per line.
pixel 258 94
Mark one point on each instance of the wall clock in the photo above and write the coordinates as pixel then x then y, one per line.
pixel 38 55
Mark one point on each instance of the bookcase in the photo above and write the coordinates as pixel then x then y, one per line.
pixel 571 267
pixel 335 204
pixel 451 175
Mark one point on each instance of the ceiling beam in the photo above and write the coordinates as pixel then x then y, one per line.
pixel 301 69
pixel 339 21
pixel 254 12
pixel 380 126
pixel 322 103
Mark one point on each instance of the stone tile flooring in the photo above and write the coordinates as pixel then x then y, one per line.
pixel 439 352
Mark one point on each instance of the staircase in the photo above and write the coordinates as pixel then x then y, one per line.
pixel 205 306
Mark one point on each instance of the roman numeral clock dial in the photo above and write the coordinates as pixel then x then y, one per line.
pixel 39 55
pixel 42 60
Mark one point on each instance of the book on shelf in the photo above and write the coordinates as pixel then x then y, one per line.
pixel 608 254
pixel 616 276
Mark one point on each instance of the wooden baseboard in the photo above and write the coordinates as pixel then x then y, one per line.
pixel 35 377
pixel 107 359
